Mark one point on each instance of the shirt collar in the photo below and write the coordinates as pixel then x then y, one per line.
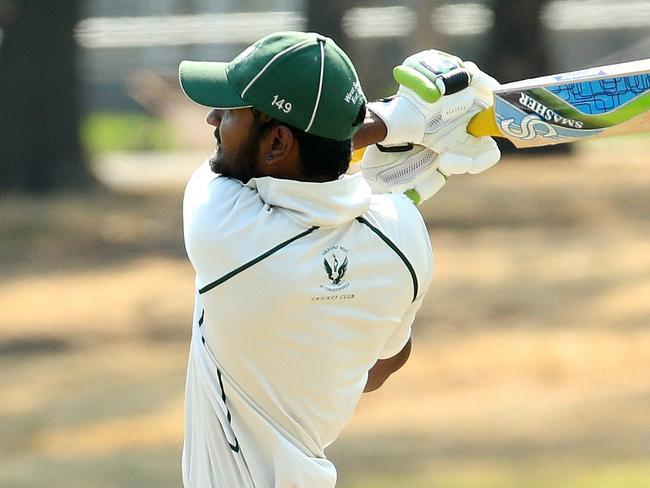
pixel 323 204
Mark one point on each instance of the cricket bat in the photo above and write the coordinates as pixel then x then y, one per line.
pixel 568 107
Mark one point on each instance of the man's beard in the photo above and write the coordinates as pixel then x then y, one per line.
pixel 241 165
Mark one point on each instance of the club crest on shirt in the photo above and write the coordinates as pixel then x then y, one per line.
pixel 335 266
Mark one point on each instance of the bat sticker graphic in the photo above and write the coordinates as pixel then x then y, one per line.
pixel 608 100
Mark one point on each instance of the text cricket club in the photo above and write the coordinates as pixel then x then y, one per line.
pixel 528 102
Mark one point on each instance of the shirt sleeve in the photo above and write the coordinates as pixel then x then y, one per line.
pixel 412 237
pixel 402 333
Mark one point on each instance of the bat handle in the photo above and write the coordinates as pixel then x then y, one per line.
pixel 484 124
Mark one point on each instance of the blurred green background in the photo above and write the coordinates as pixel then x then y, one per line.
pixel 531 354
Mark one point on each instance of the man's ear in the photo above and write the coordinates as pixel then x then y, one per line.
pixel 279 144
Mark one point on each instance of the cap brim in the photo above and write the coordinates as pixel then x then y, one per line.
pixel 206 83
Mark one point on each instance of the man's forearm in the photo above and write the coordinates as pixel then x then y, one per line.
pixel 371 132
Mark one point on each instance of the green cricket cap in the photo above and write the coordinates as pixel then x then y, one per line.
pixel 302 79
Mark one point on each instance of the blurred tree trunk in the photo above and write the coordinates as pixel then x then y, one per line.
pixel 374 57
pixel 517 50
pixel 325 18
pixel 40 149
pixel 424 36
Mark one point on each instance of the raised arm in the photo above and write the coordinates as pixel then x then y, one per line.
pixel 371 132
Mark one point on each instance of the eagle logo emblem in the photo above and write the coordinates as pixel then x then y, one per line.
pixel 335 270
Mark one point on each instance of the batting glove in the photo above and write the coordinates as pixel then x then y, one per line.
pixel 427 121
pixel 409 169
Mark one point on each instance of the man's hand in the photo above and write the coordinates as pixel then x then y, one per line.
pixel 437 91
pixel 426 122
pixel 409 169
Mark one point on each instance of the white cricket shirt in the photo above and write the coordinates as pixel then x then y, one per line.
pixel 301 287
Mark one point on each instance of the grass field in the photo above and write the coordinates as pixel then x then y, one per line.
pixel 531 361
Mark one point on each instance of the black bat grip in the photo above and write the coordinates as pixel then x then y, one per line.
pixel 455 80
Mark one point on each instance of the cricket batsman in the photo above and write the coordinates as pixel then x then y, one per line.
pixel 308 279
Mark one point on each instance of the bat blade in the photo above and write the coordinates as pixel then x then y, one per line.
pixel 568 107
